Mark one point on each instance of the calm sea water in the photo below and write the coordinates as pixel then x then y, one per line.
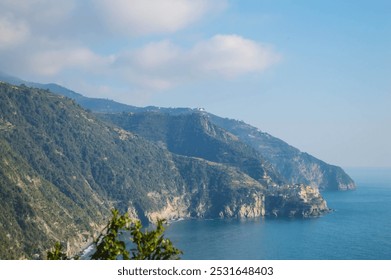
pixel 359 228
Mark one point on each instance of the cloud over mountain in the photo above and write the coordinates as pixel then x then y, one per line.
pixel 63 41
pixel 164 64
pixel 137 17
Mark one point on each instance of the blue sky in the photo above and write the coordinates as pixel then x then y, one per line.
pixel 316 74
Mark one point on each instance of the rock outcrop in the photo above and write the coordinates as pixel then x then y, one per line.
pixel 295 201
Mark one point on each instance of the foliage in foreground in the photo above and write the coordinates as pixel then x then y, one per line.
pixel 149 245
pixel 56 253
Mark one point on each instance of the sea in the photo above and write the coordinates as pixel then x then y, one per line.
pixel 358 228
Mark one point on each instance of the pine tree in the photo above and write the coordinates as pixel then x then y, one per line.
pixel 148 245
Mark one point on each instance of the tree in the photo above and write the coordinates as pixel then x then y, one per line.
pixel 148 245
pixel 152 245
pixel 108 246
pixel 56 253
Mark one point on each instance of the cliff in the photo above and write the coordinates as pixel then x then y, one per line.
pixel 62 169
pixel 293 165
pixel 296 201
pixel 195 135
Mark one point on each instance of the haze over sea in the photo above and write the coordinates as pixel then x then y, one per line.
pixel 358 228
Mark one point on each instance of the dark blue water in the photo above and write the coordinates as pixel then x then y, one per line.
pixel 359 228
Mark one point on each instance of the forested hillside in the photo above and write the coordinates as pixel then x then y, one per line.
pixel 62 169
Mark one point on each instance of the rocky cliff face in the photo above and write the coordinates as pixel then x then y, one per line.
pixel 220 190
pixel 211 190
pixel 295 201
pixel 294 166
pixel 195 135
pixel 62 169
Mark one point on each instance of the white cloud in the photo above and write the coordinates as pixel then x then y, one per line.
pixel 50 40
pixel 39 11
pixel 157 55
pixel 232 55
pixel 12 32
pixel 52 62
pixel 162 65
pixel 138 17
pixel 24 22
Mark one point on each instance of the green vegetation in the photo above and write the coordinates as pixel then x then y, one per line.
pixel 194 135
pixel 149 245
pixel 57 253
pixel 62 169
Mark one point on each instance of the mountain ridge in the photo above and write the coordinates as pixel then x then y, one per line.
pixel 62 169
pixel 295 166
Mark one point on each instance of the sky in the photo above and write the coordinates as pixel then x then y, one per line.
pixel 316 74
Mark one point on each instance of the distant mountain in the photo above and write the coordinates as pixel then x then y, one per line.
pixel 95 104
pixel 294 165
pixel 62 169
